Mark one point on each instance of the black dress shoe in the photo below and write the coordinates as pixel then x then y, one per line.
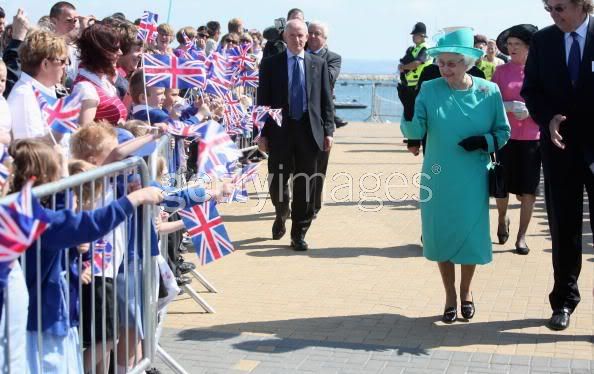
pixel 559 320
pixel 522 250
pixel 467 309
pixel 503 235
pixel 278 229
pixel 299 244
pixel 450 315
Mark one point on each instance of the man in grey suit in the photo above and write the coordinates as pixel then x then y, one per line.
pixel 298 83
pixel 318 36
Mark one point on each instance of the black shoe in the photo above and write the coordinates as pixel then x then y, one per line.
pixel 153 371
pixel 559 320
pixel 299 244
pixel 503 235
pixel 182 280
pixel 450 315
pixel 522 250
pixel 185 267
pixel 278 228
pixel 467 309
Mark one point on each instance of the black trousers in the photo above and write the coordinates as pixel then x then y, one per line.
pixel 320 178
pixel 566 174
pixel 293 157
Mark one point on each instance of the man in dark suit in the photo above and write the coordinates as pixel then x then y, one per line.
pixel 299 83
pixel 559 92
pixel 318 35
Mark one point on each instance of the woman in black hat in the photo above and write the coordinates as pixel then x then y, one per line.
pixel 521 155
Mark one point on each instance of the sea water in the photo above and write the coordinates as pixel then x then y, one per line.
pixel 388 107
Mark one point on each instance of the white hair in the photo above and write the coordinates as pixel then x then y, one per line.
pixel 320 25
pixel 468 61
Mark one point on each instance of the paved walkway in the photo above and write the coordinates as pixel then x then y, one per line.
pixel 363 299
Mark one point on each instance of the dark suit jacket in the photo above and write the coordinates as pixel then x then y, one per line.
pixel 334 62
pixel 273 91
pixel 548 91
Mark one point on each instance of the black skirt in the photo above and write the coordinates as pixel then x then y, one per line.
pixel 521 162
pixel 86 307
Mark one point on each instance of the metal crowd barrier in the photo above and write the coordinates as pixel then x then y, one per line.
pixel 133 281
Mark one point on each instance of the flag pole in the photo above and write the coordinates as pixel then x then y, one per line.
pixel 146 108
pixel 169 12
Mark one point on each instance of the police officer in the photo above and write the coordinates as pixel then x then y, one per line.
pixel 411 66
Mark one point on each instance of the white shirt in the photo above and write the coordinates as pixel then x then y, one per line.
pixel 582 30
pixel 5 117
pixel 88 91
pixel 27 121
pixel 290 62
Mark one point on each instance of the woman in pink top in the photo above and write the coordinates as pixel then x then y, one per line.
pixel 521 155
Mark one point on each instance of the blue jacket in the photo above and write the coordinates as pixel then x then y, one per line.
pixel 66 230
pixel 156 115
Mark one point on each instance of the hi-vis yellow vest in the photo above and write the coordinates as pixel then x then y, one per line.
pixel 486 67
pixel 412 77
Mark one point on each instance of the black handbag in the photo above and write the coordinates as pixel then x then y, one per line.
pixel 496 177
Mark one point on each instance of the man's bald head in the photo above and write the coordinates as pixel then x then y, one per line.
pixel 295 35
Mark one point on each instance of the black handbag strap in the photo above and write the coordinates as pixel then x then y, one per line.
pixel 493 159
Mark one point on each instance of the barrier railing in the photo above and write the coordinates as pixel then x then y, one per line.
pixel 116 308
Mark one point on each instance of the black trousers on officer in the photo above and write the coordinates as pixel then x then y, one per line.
pixel 320 178
pixel 293 157
pixel 566 174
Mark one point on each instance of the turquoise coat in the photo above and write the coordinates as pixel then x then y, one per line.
pixel 454 193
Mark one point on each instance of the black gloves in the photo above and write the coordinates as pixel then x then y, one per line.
pixel 472 143
pixel 413 143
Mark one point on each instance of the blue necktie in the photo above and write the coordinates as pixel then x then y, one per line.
pixel 573 64
pixel 296 91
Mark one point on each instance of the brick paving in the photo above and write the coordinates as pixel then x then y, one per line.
pixel 363 299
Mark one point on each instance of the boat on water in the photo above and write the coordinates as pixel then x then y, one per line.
pixel 354 104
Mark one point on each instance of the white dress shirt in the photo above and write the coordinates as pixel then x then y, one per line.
pixel 27 121
pixel 290 62
pixel 582 31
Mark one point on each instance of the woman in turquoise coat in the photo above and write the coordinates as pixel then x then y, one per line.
pixel 464 120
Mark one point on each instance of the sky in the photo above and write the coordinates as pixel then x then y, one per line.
pixel 358 29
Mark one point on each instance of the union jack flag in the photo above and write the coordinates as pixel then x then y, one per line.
pixel 103 258
pixel 147 29
pixel 21 223
pixel 249 78
pixel 248 173
pixel 207 231
pixel 233 113
pixel 276 115
pixel 4 172
pixel 216 151
pixel 61 115
pixel 179 128
pixel 172 72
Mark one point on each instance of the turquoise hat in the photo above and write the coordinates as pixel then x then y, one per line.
pixel 456 40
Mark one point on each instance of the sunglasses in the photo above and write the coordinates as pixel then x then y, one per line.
pixel 556 8
pixel 449 64
pixel 204 36
pixel 232 42
pixel 62 61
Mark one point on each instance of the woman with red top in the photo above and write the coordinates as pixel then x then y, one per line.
pixel 521 155
pixel 99 49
